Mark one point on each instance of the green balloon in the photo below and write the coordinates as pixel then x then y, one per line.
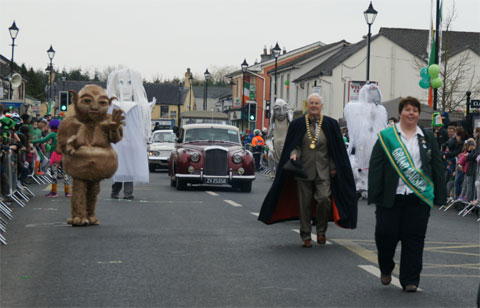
pixel 424 72
pixel 437 83
pixel 424 83
pixel 433 70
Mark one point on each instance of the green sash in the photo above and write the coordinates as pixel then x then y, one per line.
pixel 401 161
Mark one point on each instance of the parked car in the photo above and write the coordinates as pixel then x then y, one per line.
pixel 161 145
pixel 211 154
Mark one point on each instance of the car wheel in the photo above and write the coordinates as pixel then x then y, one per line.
pixel 181 184
pixel 246 187
pixel 173 183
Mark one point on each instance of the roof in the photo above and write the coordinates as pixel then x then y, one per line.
pixel 415 41
pixel 326 67
pixel 203 114
pixel 212 92
pixel 165 93
pixel 308 55
pixel 257 66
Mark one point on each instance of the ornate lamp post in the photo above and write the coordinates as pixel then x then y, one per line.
pixel 13 34
pixel 244 70
pixel 207 77
pixel 180 91
pixel 191 90
pixel 276 54
pixel 370 15
pixel 51 54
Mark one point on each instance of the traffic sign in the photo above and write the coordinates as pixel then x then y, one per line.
pixel 475 103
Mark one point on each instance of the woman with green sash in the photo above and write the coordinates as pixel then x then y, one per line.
pixel 406 178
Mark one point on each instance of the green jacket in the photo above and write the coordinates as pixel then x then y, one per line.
pixel 51 135
pixel 383 179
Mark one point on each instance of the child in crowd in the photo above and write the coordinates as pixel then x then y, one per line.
pixel 468 161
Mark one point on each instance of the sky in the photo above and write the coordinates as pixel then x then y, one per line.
pixel 161 38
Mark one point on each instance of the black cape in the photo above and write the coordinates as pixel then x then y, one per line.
pixel 281 202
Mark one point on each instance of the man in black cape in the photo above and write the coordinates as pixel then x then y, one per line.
pixel 281 202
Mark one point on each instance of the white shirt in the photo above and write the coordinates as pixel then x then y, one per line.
pixel 414 150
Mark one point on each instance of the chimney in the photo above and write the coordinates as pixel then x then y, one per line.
pixel 265 56
pixel 271 50
pixel 284 51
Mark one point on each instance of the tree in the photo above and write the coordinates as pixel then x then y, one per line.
pixel 457 71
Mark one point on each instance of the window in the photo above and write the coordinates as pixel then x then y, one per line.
pixel 163 111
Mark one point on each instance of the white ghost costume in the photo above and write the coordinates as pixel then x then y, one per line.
pixel 365 119
pixel 127 86
pixel 280 119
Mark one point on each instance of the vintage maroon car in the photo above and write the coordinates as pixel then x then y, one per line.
pixel 211 154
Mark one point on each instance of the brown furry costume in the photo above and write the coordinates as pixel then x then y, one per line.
pixel 84 139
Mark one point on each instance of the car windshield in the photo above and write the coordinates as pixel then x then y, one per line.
pixel 212 134
pixel 164 137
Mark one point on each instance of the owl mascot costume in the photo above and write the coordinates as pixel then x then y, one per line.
pixel 365 119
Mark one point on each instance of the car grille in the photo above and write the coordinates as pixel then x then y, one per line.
pixel 216 162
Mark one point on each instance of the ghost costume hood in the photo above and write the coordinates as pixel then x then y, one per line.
pixel 127 86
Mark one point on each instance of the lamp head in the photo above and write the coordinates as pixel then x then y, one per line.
pixel 276 50
pixel 51 53
pixel 370 14
pixel 207 74
pixel 244 65
pixel 13 30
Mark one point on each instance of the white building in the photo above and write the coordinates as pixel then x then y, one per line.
pixel 396 56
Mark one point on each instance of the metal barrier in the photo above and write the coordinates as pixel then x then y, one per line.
pixel 14 190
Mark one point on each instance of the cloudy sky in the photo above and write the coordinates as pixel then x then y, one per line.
pixel 164 37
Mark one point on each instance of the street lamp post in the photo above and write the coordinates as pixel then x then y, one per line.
pixel 244 70
pixel 51 54
pixel 191 90
pixel 276 54
pixel 370 15
pixel 180 91
pixel 13 34
pixel 207 77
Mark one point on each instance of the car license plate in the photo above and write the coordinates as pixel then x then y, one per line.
pixel 215 181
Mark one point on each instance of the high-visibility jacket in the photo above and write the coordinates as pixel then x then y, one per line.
pixel 257 141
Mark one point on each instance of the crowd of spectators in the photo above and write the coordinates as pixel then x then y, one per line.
pixel 18 147
pixel 461 156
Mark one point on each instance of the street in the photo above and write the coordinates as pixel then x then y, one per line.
pixel 205 248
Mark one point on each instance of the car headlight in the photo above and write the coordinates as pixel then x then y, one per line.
pixel 237 158
pixel 153 153
pixel 195 157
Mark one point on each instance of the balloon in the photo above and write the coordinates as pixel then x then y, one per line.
pixel 433 70
pixel 424 72
pixel 437 83
pixel 424 83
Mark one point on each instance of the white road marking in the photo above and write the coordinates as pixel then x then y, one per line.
pixel 375 271
pixel 231 202
pixel 314 236
pixel 211 193
pixel 255 213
